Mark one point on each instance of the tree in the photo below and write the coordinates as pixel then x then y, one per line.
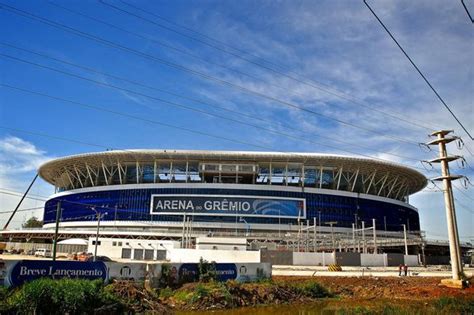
pixel 32 222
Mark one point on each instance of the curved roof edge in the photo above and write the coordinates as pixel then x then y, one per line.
pixel 47 169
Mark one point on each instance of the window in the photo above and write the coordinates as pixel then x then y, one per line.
pixel 311 176
pixel 327 178
pixel 193 172
pixel 278 174
pixel 148 171
pixel 179 172
pixel 114 243
pixel 126 253
pixel 119 243
pixel 164 171
pixel 263 176
pixel 294 174
pixel 131 174
pixel 98 243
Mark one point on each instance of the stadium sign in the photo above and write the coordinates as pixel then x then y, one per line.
pixel 228 205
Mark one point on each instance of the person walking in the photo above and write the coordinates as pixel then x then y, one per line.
pixel 405 269
pixel 400 270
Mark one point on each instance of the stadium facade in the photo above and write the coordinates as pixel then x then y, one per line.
pixel 227 192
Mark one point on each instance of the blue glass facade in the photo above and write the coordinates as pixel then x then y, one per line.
pixel 134 205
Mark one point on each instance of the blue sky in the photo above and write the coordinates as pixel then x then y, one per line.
pixel 327 45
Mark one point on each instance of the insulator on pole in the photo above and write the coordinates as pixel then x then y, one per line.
pixel 424 147
pixel 424 163
pixel 460 144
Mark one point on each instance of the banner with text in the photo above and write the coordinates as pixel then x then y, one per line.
pixel 229 205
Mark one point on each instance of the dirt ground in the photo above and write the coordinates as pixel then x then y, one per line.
pixel 411 288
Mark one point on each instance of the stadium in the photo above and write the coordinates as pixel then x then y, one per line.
pixel 164 192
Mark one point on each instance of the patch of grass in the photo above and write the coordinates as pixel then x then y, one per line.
pixel 455 305
pixel 63 296
pixel 312 289
pixel 200 292
pixel 166 293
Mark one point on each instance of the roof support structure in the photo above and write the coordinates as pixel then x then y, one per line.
pixel 371 181
pixel 393 185
pixel 355 180
pixel 90 171
pixel 339 175
pixel 78 176
pixel 383 183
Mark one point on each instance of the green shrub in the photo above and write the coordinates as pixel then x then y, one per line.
pixel 71 296
pixel 312 289
pixel 455 305
pixel 207 271
pixel 166 293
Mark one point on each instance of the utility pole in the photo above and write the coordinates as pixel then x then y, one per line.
pixel 405 238
pixel 454 248
pixel 331 224
pixel 314 234
pixel 307 236
pixel 353 237
pixel 364 248
pixel 56 229
pixel 19 203
pixel 375 236
pixel 98 214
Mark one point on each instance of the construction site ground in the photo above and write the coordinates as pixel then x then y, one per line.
pixel 406 288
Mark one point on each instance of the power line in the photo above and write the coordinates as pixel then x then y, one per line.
pixel 463 193
pixel 22 193
pixel 22 210
pixel 467 11
pixel 188 70
pixel 186 107
pixel 236 70
pixel 98 108
pixel 16 195
pixel 419 71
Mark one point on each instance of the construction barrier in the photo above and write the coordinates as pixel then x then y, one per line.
pixel 334 267
pixel 16 272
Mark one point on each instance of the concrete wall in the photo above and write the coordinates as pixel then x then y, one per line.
pixel 113 247
pixel 411 260
pixel 395 259
pixel 221 243
pixel 128 271
pixel 182 255
pixel 373 260
pixel 313 259
pixel 348 259
pixel 276 257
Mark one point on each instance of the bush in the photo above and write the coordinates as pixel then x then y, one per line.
pixel 455 305
pixel 200 292
pixel 48 296
pixel 166 293
pixel 312 289
pixel 207 271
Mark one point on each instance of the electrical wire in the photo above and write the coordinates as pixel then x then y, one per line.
pixel 285 89
pixel 185 107
pixel 98 108
pixel 189 70
pixel 467 11
pixel 22 210
pixel 16 195
pixel 419 71
pixel 296 77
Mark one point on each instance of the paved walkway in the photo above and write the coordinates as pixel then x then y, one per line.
pixel 313 271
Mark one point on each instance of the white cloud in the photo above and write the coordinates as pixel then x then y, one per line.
pixel 19 156
pixel 19 161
